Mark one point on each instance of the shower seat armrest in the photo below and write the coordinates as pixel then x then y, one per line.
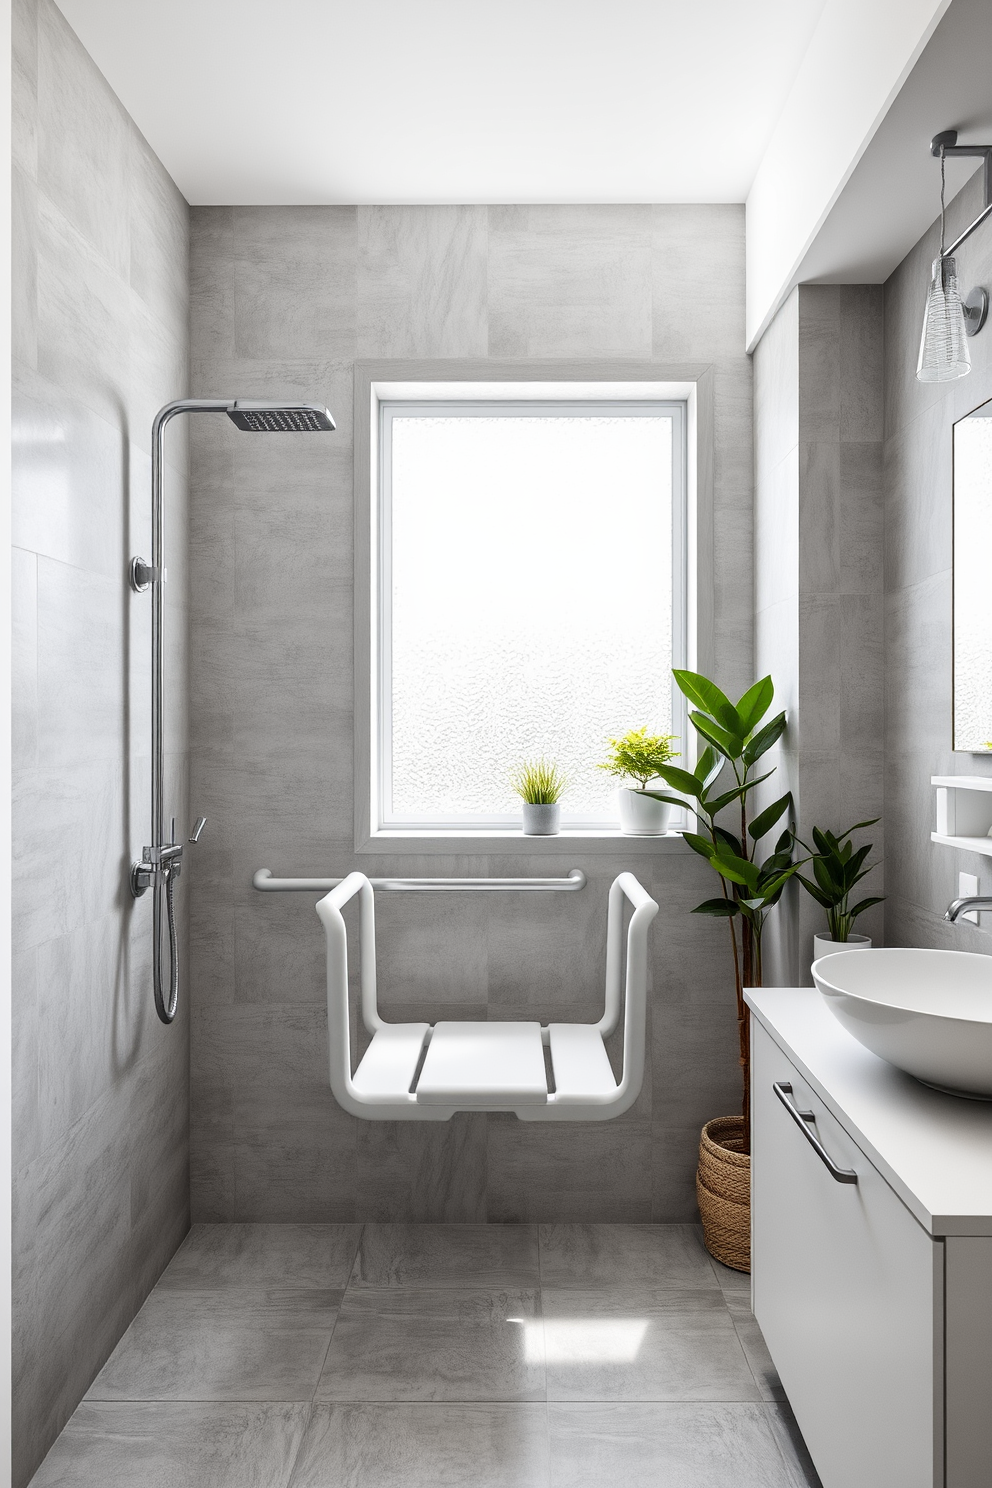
pixel 329 909
pixel 618 987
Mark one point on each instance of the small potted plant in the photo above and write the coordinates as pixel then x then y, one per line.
pixel 836 870
pixel 540 785
pixel 640 756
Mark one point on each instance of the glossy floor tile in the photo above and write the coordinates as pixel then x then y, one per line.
pixel 161 1445
pixel 451 1343
pixel 409 1356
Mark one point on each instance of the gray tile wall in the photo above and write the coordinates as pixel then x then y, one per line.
pixel 284 300
pixel 818 576
pixel 921 877
pixel 100 1088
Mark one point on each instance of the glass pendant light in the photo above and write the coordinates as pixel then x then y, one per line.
pixel 943 346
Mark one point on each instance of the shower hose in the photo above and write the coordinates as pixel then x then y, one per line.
pixel 165 1009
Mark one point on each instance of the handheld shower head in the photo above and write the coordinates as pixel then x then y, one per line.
pixel 280 418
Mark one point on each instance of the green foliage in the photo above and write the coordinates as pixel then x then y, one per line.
pixel 639 756
pixel 836 870
pixel 538 782
pixel 736 736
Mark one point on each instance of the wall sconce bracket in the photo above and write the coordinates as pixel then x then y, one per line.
pixel 946 144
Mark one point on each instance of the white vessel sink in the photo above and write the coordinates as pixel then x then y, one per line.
pixel 927 1012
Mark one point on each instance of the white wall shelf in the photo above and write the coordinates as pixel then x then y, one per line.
pixel 964 812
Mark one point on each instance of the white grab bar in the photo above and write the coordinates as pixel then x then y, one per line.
pixel 264 881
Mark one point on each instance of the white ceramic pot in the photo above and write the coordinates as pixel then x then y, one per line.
pixel 823 945
pixel 541 820
pixel 642 816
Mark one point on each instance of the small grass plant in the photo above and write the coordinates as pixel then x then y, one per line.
pixel 539 782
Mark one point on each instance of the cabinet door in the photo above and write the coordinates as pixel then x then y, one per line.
pixel 846 1283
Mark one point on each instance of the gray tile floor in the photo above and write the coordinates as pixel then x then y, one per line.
pixel 437 1356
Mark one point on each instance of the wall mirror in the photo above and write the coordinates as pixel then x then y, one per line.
pixel 973 581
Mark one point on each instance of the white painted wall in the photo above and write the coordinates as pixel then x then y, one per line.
pixel 861 53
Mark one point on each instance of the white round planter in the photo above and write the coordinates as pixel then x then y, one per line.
pixel 642 816
pixel 541 820
pixel 824 946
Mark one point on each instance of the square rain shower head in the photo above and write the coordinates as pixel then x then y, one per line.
pixel 281 418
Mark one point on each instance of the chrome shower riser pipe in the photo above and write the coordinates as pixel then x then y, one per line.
pixel 161 862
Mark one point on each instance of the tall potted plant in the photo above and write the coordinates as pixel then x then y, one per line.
pixel 735 736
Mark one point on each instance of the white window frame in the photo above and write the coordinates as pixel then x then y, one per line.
pixel 537 399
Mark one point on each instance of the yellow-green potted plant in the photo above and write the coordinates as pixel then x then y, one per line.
pixel 540 785
pixel 640 757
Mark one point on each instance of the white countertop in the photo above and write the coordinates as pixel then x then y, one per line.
pixel 935 1150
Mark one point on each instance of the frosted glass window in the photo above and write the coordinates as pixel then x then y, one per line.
pixel 531 600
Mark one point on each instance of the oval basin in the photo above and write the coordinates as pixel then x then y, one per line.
pixel 927 1012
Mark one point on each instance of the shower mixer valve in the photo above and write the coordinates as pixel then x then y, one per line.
pixel 161 863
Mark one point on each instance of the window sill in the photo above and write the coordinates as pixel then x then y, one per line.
pixel 566 843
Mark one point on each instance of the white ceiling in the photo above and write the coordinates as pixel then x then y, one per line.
pixel 893 194
pixel 324 101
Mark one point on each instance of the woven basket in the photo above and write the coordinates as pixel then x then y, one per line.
pixel 723 1190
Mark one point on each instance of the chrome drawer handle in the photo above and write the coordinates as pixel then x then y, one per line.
pixel 802 1118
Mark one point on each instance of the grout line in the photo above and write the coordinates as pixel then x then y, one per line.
pixel 296 1455
pixel 330 1339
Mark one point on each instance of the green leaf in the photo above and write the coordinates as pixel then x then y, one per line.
pixel 738 870
pixel 826 900
pixel 729 840
pixel 786 842
pixel 773 890
pixel 706 695
pixel 702 845
pixel 821 843
pixel 764 822
pixel 755 704
pixel 764 739
pixel 738 793
pixel 660 796
pixel 724 908
pixel 866 904
pixel 827 880
pixel 709 766
pixel 858 826
pixel 727 743
pixel 681 780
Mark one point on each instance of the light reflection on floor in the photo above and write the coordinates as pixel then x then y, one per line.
pixel 582 1340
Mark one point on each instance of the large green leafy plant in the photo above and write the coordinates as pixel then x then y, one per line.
pixel 735 736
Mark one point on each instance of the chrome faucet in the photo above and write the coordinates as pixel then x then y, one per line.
pixel 961 906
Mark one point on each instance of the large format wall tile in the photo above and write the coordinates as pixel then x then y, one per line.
pixel 273 699
pixel 921 876
pixel 570 281
pixel 422 282
pixel 818 571
pixel 101 1147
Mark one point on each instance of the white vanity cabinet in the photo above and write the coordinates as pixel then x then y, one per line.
pixel 871 1254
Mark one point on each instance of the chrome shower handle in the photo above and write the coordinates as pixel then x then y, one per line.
pixel 201 822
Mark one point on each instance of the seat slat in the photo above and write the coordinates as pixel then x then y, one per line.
pixel 580 1062
pixel 484 1067
pixel 389 1063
